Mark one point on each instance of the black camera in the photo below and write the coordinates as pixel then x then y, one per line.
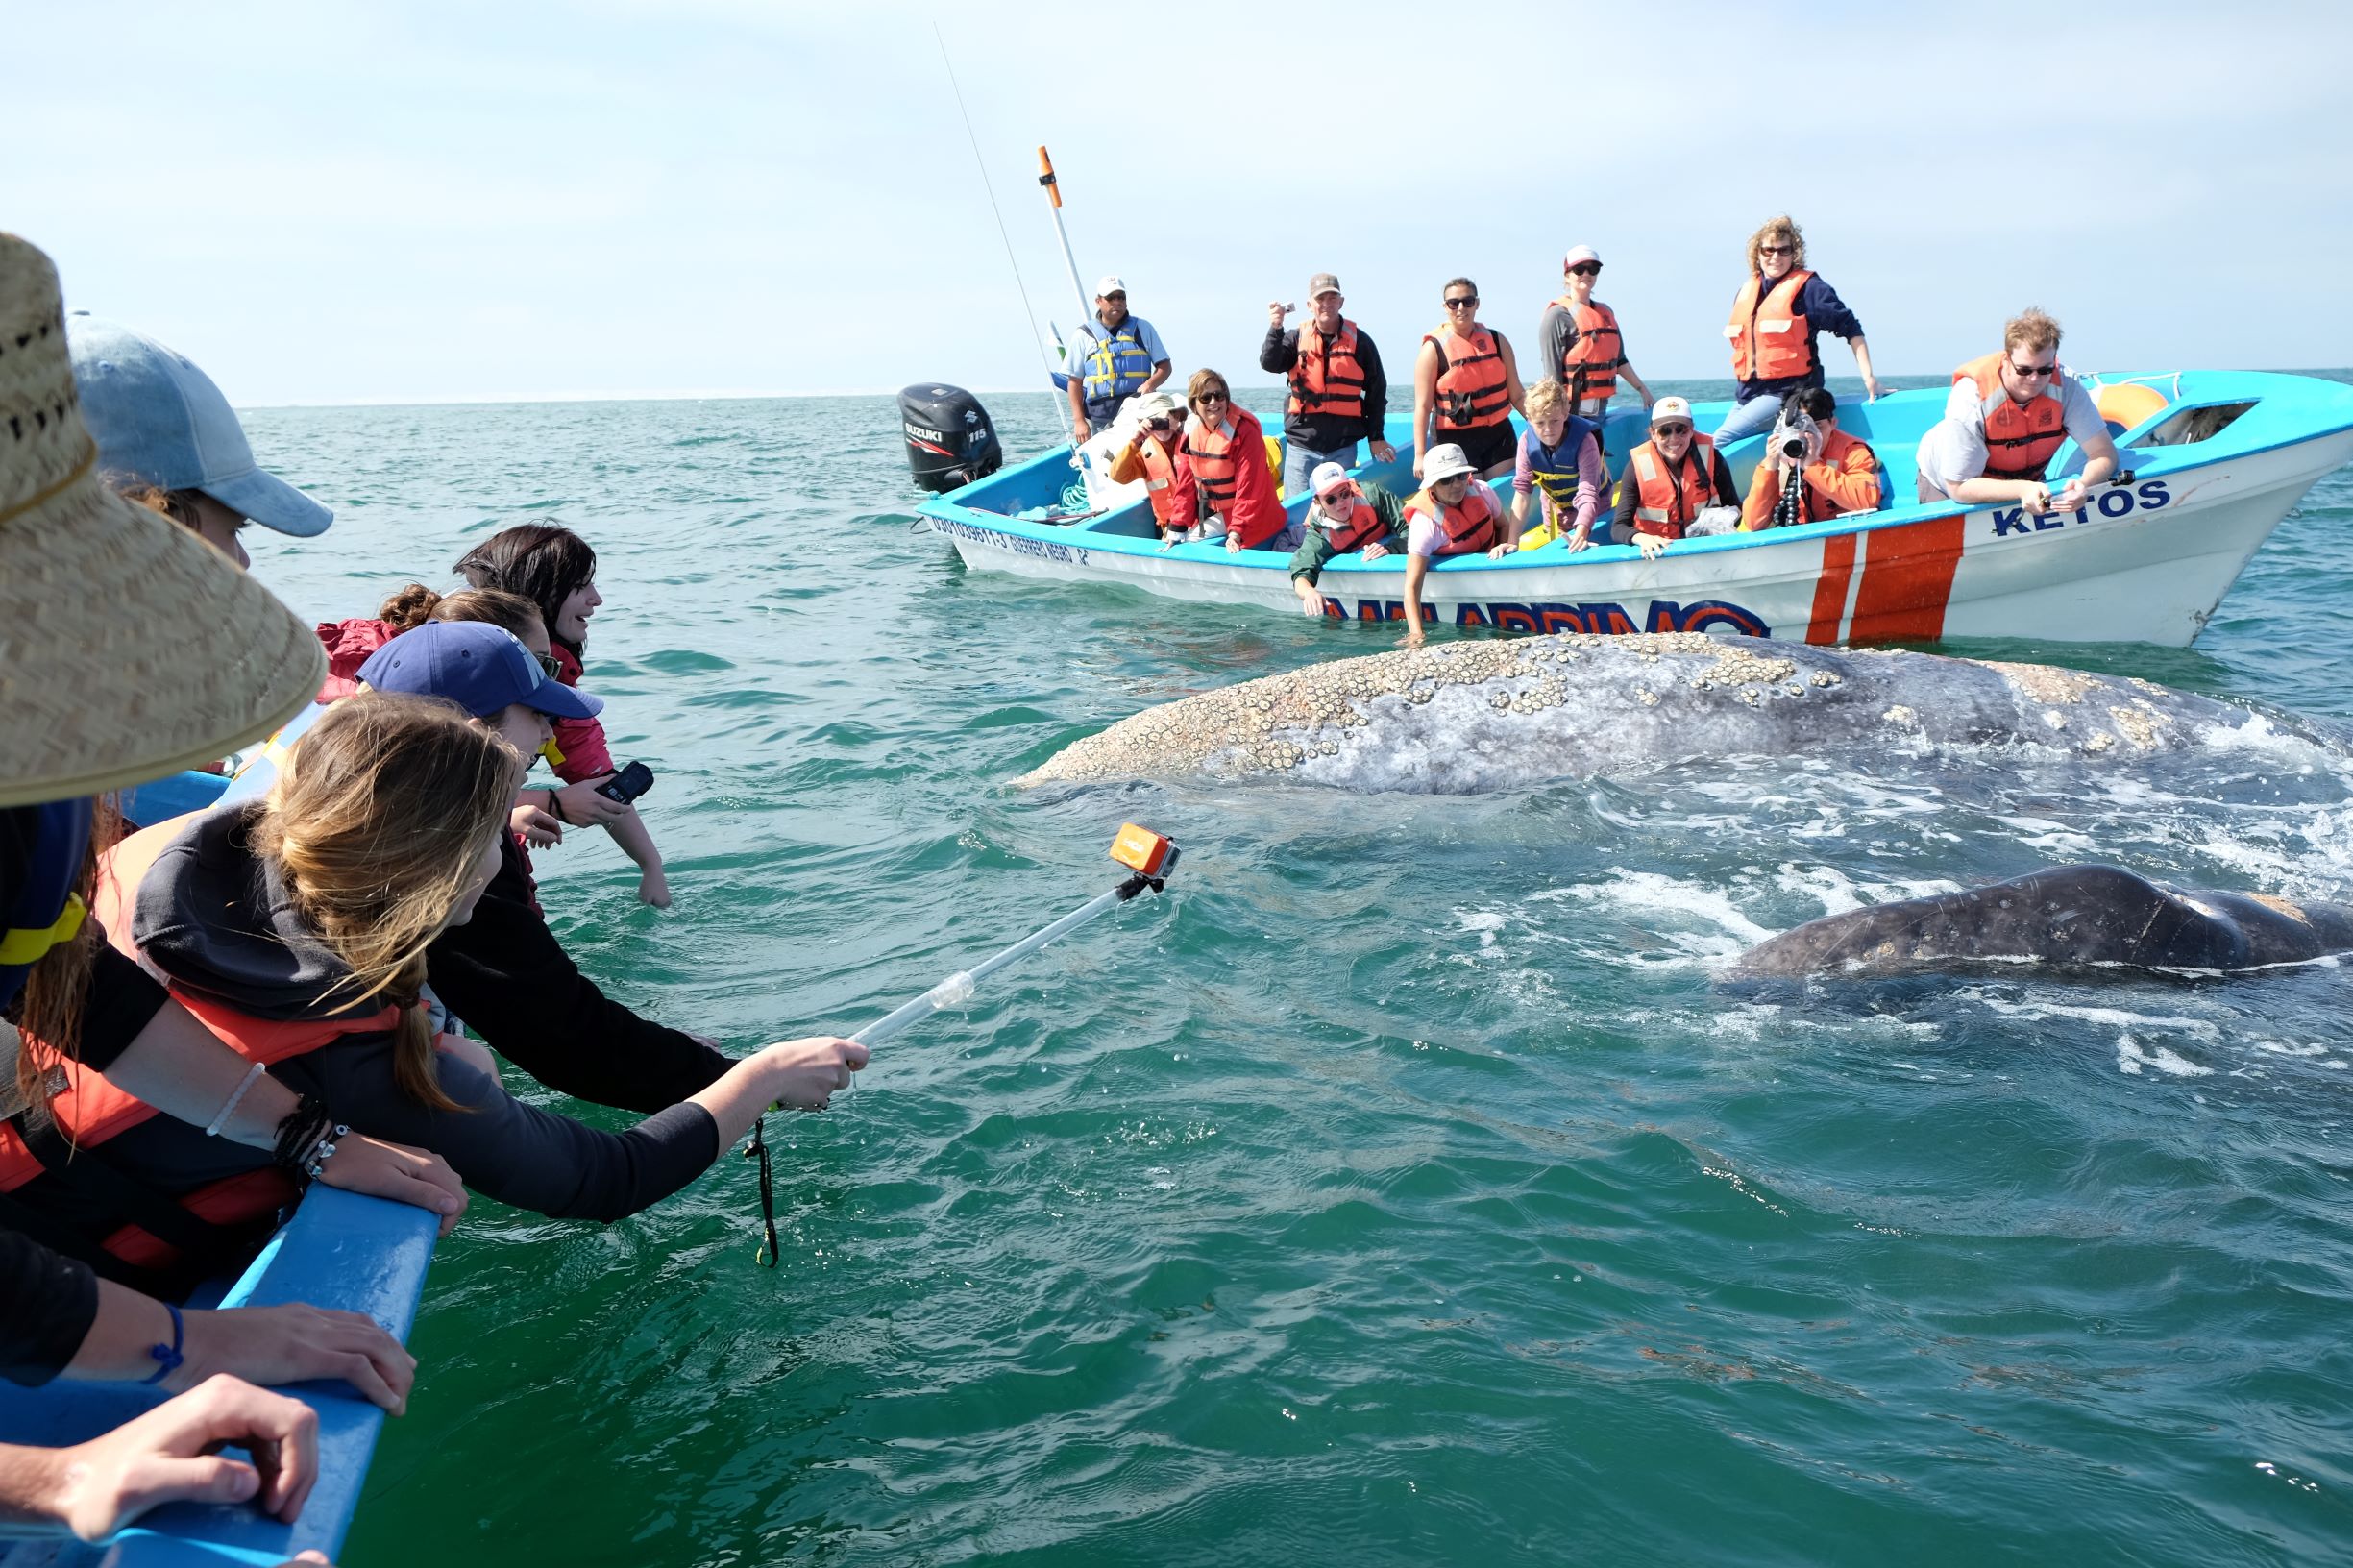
pixel 628 784
pixel 1792 431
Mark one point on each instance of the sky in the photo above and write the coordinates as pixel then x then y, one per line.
pixel 386 203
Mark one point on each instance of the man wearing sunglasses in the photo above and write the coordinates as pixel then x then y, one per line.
pixel 1114 357
pixel 1581 341
pixel 2007 416
pixel 1154 453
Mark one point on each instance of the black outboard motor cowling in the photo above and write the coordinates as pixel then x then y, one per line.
pixel 950 439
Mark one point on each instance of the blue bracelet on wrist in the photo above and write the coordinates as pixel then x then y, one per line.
pixel 169 1356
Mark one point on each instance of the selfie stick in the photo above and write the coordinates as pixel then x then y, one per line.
pixel 1148 855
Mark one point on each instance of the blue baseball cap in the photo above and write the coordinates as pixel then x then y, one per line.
pixel 479 667
pixel 161 419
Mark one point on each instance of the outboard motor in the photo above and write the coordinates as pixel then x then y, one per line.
pixel 950 438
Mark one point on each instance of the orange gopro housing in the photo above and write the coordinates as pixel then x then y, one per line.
pixel 1141 849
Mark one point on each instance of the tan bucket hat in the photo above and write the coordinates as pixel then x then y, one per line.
pixel 129 648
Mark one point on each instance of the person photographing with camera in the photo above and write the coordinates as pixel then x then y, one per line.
pixel 1154 454
pixel 1812 469
pixel 2006 418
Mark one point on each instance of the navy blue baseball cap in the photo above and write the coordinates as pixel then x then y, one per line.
pixel 481 668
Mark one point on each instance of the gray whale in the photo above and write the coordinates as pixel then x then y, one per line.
pixel 2072 916
pixel 1465 717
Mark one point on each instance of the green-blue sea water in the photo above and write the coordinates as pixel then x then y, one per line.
pixel 1401 1188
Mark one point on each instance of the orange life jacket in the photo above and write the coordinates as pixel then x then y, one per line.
pixel 1770 341
pixel 1472 390
pixel 2019 439
pixel 1590 368
pixel 1471 524
pixel 1160 481
pixel 1360 527
pixel 1666 502
pixel 1328 378
pixel 86 1110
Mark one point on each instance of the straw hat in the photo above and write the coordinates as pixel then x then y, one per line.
pixel 129 648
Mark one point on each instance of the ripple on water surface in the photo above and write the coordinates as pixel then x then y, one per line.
pixel 1401 1187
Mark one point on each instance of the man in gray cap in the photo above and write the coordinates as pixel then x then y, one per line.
pixel 162 425
pixel 1339 393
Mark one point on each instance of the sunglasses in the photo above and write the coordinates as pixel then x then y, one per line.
pixel 1587 269
pixel 1669 429
pixel 1462 302
pixel 2030 373
pixel 1121 298
pixel 1777 250
pixel 1212 397
pixel 1451 478
pixel 549 663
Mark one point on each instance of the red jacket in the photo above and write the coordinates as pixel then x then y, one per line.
pixel 347 644
pixel 1233 477
pixel 580 742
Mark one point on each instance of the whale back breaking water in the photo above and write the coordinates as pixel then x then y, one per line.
pixel 1474 717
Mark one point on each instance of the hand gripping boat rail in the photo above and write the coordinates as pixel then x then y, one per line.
pixel 1149 858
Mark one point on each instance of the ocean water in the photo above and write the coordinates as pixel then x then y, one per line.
pixel 1400 1188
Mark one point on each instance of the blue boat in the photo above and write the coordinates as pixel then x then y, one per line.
pixel 361 1255
pixel 2210 461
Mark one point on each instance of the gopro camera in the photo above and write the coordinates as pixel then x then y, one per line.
pixel 628 784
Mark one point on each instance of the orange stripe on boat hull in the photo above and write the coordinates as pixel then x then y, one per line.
pixel 1907 581
pixel 1831 588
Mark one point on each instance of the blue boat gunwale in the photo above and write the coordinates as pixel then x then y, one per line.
pixel 2268 425
pixel 339 1251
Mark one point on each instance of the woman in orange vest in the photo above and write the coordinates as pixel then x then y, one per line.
pixel 296 930
pixel 1226 449
pixel 1581 342
pixel 1466 383
pixel 1152 454
pixel 1669 479
pixel 1776 319
pixel 1454 513
pixel 1841 474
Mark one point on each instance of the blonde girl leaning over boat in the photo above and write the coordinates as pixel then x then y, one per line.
pixel 555 569
pixel 296 928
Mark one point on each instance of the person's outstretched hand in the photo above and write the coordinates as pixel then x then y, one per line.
pixel 167 1455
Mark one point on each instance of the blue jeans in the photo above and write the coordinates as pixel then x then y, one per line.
pixel 1299 461
pixel 1753 417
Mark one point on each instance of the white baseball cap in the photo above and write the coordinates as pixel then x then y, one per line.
pixel 1108 284
pixel 1327 476
pixel 1670 409
pixel 1583 252
pixel 1445 462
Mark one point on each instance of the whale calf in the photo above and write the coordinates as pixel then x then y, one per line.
pixel 2069 918
pixel 1466 717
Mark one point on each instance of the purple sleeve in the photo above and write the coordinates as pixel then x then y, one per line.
pixel 1588 482
pixel 1523 477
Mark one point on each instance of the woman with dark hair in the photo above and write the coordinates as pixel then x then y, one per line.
pixel 555 569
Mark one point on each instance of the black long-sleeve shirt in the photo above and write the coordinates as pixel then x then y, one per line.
pixel 1630 493
pixel 48 1302
pixel 1328 432
pixel 505 973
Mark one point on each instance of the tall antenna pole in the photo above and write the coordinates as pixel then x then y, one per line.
pixel 1053 195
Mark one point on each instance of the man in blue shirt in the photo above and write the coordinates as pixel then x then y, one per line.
pixel 1113 358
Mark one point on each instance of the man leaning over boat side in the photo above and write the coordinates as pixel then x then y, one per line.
pixel 2007 416
pixel 1841 474
pixel 1339 395
pixel 1114 358
pixel 1347 515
